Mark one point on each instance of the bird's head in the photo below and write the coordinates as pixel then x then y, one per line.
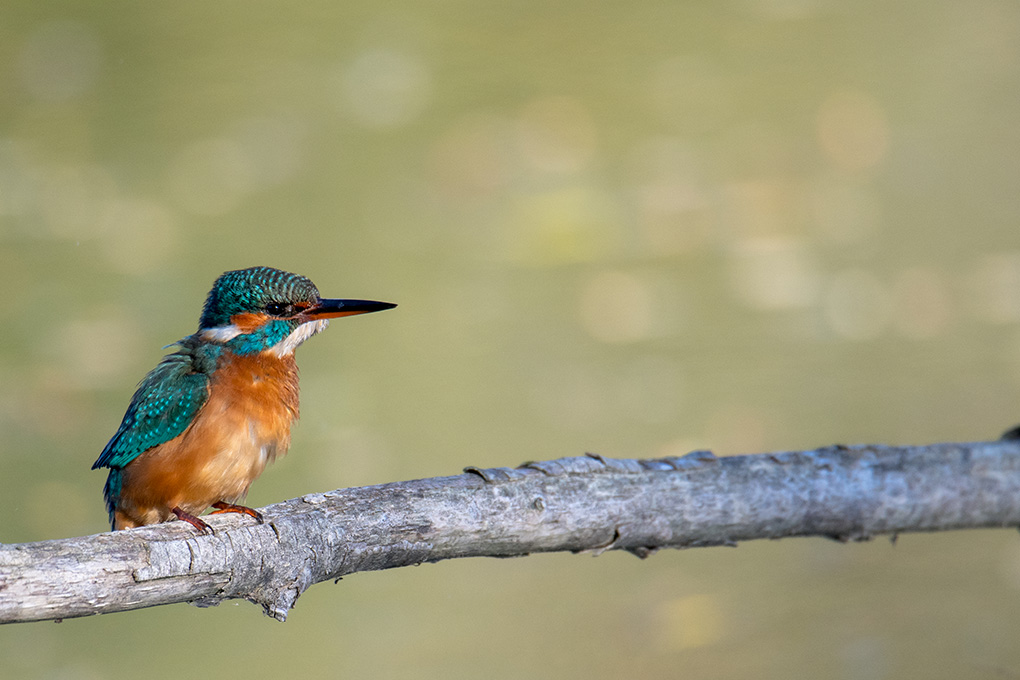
pixel 265 309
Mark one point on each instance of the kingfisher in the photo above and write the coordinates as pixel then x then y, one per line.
pixel 205 423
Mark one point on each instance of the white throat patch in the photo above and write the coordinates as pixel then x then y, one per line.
pixel 221 334
pixel 286 347
pixel 306 330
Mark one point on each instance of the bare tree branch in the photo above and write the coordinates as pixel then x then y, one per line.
pixel 584 504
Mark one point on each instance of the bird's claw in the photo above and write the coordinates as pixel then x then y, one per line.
pixel 192 520
pixel 242 509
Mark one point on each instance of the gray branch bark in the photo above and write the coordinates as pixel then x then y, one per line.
pixel 584 504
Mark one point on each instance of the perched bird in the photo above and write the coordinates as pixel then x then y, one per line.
pixel 205 422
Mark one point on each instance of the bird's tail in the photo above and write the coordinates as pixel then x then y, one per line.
pixel 111 492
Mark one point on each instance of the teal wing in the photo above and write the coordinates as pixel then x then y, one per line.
pixel 165 403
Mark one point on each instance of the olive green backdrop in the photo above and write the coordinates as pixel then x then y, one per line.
pixel 628 228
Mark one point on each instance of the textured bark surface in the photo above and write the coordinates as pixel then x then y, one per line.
pixel 587 503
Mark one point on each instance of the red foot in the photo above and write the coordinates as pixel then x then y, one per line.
pixel 230 507
pixel 192 520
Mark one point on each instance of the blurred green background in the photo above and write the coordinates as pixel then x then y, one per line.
pixel 628 228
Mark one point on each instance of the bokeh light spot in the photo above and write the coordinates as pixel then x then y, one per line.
pixel 573 224
pixel 996 287
pixel 60 60
pixel 385 88
pixel 690 622
pixel 853 131
pixel 857 305
pixel 774 273
pixel 673 206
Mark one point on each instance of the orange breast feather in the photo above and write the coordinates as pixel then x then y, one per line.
pixel 244 426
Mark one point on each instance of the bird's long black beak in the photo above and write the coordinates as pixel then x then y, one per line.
pixel 330 309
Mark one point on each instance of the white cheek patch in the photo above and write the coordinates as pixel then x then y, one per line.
pixel 221 334
pixel 306 330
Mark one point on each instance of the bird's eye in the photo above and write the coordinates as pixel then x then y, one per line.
pixel 280 309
